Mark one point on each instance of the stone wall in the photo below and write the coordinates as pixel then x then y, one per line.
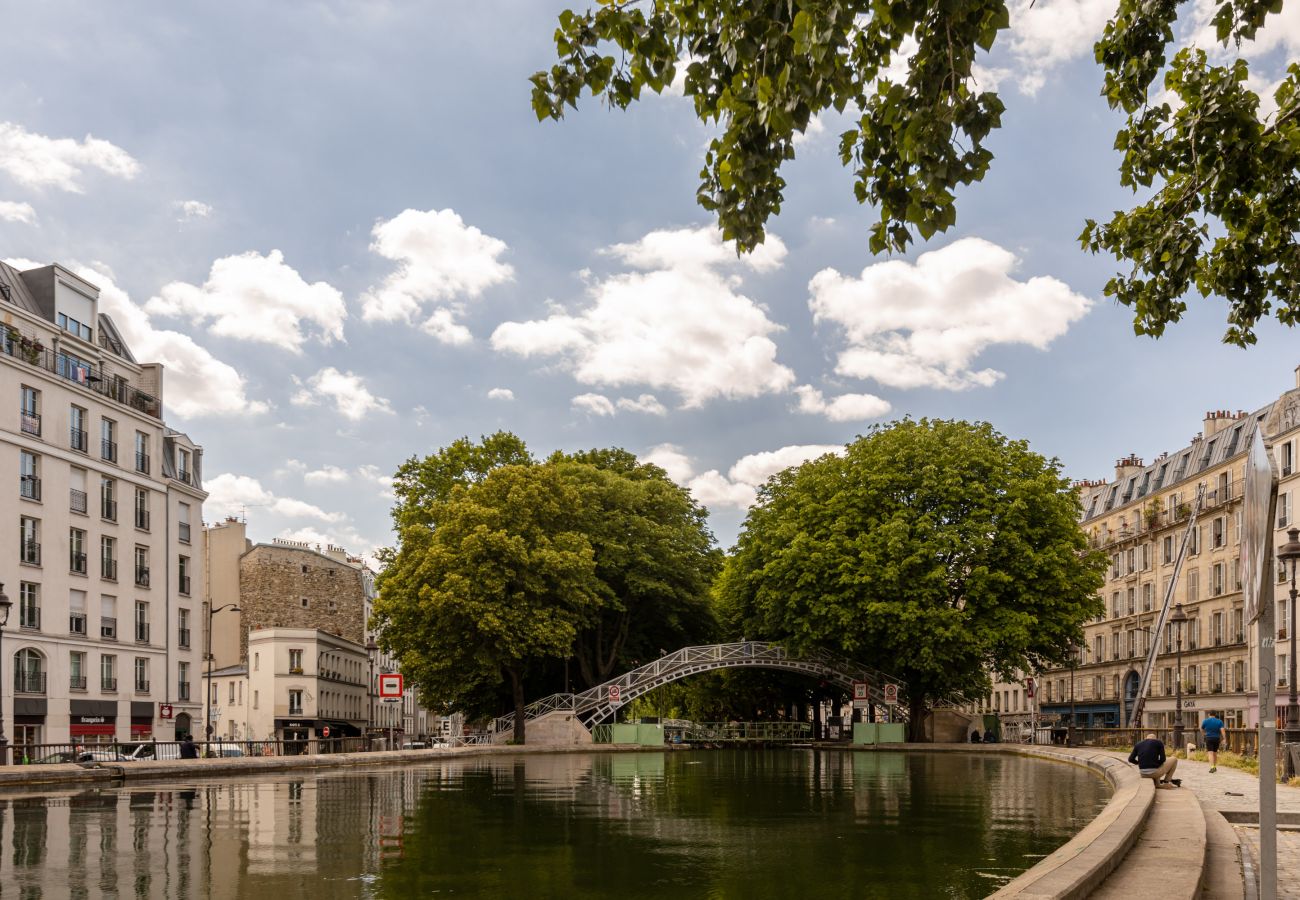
pixel 274 581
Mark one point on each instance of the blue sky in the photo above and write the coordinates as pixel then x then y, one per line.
pixel 342 228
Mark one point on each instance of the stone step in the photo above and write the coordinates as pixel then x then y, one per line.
pixel 1169 858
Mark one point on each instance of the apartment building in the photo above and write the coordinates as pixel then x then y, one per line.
pixel 99 564
pixel 288 587
pixel 1140 520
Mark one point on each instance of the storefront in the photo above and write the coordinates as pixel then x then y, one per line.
pixel 141 720
pixel 29 723
pixel 295 733
pixel 92 721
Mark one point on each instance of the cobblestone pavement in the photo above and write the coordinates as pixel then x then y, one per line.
pixel 1288 858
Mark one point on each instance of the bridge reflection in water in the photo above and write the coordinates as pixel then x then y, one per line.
pixel 721 734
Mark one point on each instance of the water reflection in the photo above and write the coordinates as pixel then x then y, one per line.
pixel 714 824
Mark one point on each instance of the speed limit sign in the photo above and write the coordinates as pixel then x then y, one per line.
pixel 891 694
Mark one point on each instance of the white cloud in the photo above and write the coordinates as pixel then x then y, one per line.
pixel 441 262
pixel 37 161
pixel 325 475
pixel 344 536
pixel 593 404
pixel 194 209
pixel 251 297
pixel 375 475
pixel 844 408
pixel 195 383
pixel 231 495
pixel 501 394
pixel 14 211
pixel 739 487
pixel 672 460
pixel 923 324
pixel 646 403
pixel 678 325
pixel 348 393
pixel 1048 33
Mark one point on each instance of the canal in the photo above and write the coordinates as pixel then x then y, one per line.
pixel 742 823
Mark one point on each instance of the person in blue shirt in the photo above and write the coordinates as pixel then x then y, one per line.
pixel 1149 755
pixel 1213 728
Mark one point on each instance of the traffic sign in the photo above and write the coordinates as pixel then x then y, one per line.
pixel 390 685
pixel 891 694
pixel 325 732
pixel 860 690
pixel 614 693
pixel 1029 688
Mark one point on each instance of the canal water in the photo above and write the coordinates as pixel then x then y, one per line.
pixel 709 824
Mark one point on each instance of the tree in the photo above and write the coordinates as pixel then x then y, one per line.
pixel 505 579
pixel 936 550
pixel 421 484
pixel 762 69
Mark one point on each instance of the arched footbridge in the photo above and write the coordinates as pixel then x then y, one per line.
pixel 598 704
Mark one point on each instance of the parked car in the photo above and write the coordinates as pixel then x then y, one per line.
pixel 217 748
pixel 149 750
pixel 64 756
pixel 108 755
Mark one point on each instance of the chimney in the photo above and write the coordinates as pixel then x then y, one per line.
pixel 1127 466
pixel 1219 419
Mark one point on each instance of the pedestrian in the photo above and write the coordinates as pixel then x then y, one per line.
pixel 188 748
pixel 1149 755
pixel 1213 729
pixel 975 736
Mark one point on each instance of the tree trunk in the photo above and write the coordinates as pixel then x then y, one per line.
pixel 916 708
pixel 517 688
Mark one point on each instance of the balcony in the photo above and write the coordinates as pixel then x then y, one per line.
pixel 114 387
pixel 76 623
pixel 108 569
pixel 108 685
pixel 77 439
pixel 108 628
pixel 184 532
pixel 142 519
pixel 108 509
pixel 185 584
pixel 29 616
pixel 184 476
pixel 77 501
pixel 142 632
pixel 142 576
pixel 142 462
pixel 30 423
pixel 183 638
pixel 29 682
pixel 142 686
pixel 295 670
pixel 29 487
pixel 108 450
pixel 183 690
pixel 76 682
pixel 295 710
pixel 77 563
pixel 29 552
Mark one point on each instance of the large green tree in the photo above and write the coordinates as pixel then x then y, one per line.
pixel 940 551
pixel 761 69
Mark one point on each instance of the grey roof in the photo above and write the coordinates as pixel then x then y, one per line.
pixel 228 671
pixel 18 294
pixel 111 339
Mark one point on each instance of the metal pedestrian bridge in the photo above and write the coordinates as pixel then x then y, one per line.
pixel 597 705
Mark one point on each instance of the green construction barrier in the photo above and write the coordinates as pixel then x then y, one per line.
pixel 643 735
pixel 892 733
pixel 866 733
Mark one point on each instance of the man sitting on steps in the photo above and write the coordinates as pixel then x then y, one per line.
pixel 1149 754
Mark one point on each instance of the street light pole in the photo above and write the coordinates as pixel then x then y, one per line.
pixel 371 649
pixel 4 620
pixel 1290 552
pixel 207 694
pixel 1178 618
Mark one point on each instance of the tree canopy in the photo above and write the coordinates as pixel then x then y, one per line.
pixel 762 69
pixel 938 551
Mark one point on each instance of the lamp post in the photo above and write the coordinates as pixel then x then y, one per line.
pixel 1178 618
pixel 4 620
pixel 1074 664
pixel 1290 552
pixel 371 649
pixel 207 694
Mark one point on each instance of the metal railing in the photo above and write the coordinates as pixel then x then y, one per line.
pixel 29 487
pixel 76 623
pixel 142 576
pixel 76 682
pixel 29 682
pixel 142 519
pixel 141 686
pixel 185 584
pixel 108 684
pixel 30 553
pixel 77 562
pixel 76 500
pixel 108 449
pixel 29 422
pixel 29 616
pixel 183 638
pixel 108 509
pixel 31 351
pixel 108 628
pixel 1244 741
pixel 145 752
pixel 142 632
pixel 77 439
pixel 142 462
pixel 108 569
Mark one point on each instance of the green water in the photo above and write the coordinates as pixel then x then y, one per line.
pixel 647 825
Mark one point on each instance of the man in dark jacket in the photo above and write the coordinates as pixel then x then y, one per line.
pixel 1149 755
pixel 188 749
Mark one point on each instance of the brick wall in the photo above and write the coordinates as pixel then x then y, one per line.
pixel 274 580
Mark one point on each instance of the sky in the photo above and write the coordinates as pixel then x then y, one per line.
pixel 341 228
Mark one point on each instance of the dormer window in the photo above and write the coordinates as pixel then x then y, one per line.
pixel 72 326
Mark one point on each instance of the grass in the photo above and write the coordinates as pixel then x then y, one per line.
pixel 1229 760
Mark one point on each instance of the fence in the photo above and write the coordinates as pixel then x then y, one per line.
pixel 147 751
pixel 1244 741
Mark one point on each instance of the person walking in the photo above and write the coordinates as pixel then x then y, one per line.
pixel 188 748
pixel 1213 730
pixel 1149 756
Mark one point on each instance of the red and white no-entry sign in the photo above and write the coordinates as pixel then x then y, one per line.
pixel 325 732
pixel 614 693
pixel 390 685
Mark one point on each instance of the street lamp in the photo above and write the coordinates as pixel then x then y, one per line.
pixel 207 694
pixel 1290 552
pixel 1178 618
pixel 4 620
pixel 371 649
pixel 1074 663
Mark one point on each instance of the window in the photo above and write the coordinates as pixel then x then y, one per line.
pixel 1288 458
pixel 1146 557
pixel 1131 559
pixel 1167 681
pixel 72 326
pixel 71 367
pixel 77 491
pixel 141 622
pixel 183 522
pixel 141 675
pixel 1218 532
pixel 29 672
pixel 257 662
pixel 295 662
pixel 304 603
pixel 1148 590
pixel 1193 585
pixel 1167 550
pixel 183 568
pixel 1238 626
pixel 29 411
pixel 1193 633
pixel 295 703
pixel 182 681
pixel 108 499
pixel 1216 580
pixel 77 429
pixel 232 693
pixel 183 469
pixel 108 673
pixel 1283 510
pixel 29 541
pixel 108 558
pixel 108 617
pixel 29 480
pixel 183 628
pixel 1116 607
pixel 77 551
pixel 108 440
pixel 142 509
pixel 255 699
pixel 77 612
pixel 1216 628
pixel 142 566
pixel 29 605
pixel 1098 649
pixel 1132 601
pixel 77 670
pixel 1216 678
pixel 1239 676
pixel 1194 542
pixel 142 452
pixel 1193 680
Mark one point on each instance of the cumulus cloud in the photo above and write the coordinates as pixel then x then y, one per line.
pixel 501 394
pixel 593 404
pixel 844 408
pixel 193 209
pixel 231 495
pixel 1048 33
pixel 441 262
pixel 678 323
pixel 376 476
pixel 351 398
pixel 923 324
pixel 251 297
pixel 344 536
pixel 195 383
pixel 672 460
pixel 14 211
pixel 738 488
pixel 325 475
pixel 38 161
pixel 645 403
